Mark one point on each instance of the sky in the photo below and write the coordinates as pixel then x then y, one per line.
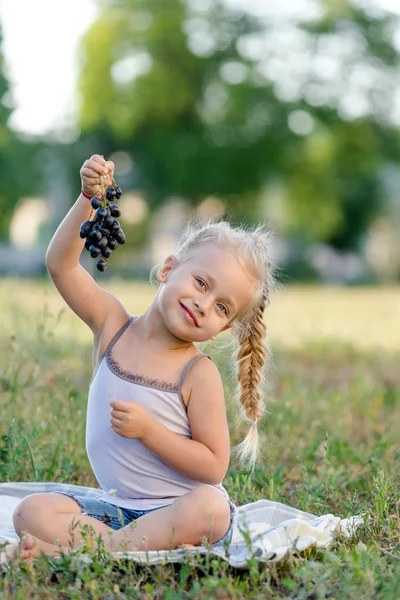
pixel 40 42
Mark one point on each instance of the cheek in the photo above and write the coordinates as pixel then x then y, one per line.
pixel 178 288
pixel 169 297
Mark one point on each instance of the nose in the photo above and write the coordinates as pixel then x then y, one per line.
pixel 201 307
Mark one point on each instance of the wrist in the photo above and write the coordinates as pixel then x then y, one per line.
pixel 85 194
pixel 148 431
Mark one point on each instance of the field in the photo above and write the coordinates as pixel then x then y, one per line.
pixel 330 441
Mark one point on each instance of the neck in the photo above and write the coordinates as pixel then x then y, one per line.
pixel 151 330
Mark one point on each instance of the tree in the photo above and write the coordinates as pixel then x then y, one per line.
pixel 210 101
pixel 19 173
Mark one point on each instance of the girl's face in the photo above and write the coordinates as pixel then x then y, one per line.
pixel 202 296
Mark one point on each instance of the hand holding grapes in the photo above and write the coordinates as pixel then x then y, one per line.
pixel 104 232
pixel 92 170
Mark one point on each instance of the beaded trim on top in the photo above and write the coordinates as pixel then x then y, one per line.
pixel 137 378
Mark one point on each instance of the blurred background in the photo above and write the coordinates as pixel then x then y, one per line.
pixel 285 112
pixel 281 111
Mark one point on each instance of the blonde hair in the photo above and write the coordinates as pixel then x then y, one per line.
pixel 252 247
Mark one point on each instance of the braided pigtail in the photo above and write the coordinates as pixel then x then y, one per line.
pixel 252 248
pixel 251 356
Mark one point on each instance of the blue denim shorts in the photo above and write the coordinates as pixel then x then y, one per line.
pixel 117 517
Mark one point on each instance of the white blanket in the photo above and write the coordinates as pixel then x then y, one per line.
pixel 264 530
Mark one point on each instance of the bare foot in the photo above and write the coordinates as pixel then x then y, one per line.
pixel 31 547
pixel 188 546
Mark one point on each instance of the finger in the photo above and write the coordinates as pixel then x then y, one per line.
pixel 92 180
pixel 118 430
pixel 98 158
pixel 116 421
pixel 121 416
pixel 90 174
pixel 121 406
pixel 102 163
pixel 101 169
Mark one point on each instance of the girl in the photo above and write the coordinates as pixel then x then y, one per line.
pixel 157 435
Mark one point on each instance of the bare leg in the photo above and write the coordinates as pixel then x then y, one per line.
pixel 203 512
pixel 51 517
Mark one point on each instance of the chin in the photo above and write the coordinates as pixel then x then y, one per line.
pixel 179 332
pixel 187 336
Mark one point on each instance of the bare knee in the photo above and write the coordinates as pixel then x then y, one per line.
pixel 40 507
pixel 209 510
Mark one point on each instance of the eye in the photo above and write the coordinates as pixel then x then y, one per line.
pixel 200 282
pixel 222 307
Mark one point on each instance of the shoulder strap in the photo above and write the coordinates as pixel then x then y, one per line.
pixel 111 344
pixel 187 368
pixel 118 335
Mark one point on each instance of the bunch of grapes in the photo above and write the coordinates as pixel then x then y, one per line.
pixel 104 232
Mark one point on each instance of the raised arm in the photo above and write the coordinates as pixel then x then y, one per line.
pixel 78 288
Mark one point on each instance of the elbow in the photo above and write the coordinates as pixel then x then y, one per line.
pixel 218 475
pixel 215 481
pixel 48 263
pixel 52 260
pixel 211 477
pixel 51 271
pixel 208 480
pixel 52 267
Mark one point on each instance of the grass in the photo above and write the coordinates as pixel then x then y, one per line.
pixel 330 443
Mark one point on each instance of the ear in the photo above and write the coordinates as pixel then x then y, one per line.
pixel 168 265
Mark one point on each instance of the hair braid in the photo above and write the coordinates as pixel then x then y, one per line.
pixel 252 246
pixel 251 357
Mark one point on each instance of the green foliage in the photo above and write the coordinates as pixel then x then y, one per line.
pixel 193 130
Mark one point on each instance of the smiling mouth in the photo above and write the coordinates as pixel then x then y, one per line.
pixel 189 312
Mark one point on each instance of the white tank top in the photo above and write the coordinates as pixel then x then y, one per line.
pixel 136 477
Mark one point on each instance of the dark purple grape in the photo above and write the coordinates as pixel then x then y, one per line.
pixel 104 231
pixel 101 265
pixel 101 213
pixel 108 221
pixel 115 228
pixel 86 228
pixel 102 243
pixel 115 210
pixel 96 202
pixel 111 193
pixel 120 237
pixel 112 243
pixel 95 236
pixel 106 252
pixel 94 252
